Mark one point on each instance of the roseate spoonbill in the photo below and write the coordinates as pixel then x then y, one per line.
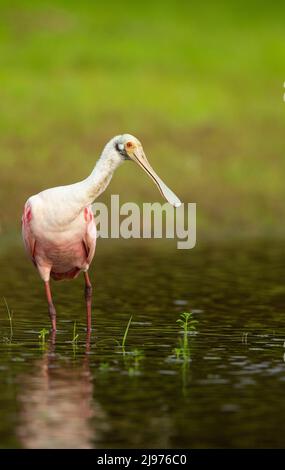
pixel 58 226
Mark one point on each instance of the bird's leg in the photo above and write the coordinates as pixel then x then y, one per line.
pixel 88 298
pixel 51 308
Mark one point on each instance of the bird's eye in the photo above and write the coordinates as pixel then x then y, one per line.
pixel 129 145
pixel 120 147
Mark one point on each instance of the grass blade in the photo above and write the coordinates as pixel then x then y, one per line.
pixel 126 332
pixel 10 318
pixel 75 334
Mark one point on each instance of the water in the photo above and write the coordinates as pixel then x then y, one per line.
pixel 226 389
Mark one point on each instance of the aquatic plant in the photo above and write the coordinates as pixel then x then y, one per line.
pixel 177 352
pixel 134 359
pixel 182 352
pixel 75 334
pixel 104 367
pixel 186 322
pixel 126 333
pixel 42 337
pixel 10 316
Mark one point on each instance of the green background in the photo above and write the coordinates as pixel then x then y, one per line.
pixel 199 83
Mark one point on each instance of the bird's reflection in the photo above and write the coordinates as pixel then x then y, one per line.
pixel 57 404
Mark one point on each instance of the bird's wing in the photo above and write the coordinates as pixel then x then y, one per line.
pixel 28 237
pixel 90 235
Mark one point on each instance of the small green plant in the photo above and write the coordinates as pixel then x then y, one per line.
pixel 182 351
pixel 183 356
pixel 126 333
pixel 104 367
pixel 10 316
pixel 134 360
pixel 186 322
pixel 75 334
pixel 42 336
pixel 177 352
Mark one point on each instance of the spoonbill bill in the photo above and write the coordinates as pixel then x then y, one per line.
pixel 58 226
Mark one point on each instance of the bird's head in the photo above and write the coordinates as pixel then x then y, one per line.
pixel 129 147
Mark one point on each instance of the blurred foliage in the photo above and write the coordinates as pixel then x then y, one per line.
pixel 200 83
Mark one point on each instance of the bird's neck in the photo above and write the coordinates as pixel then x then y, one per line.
pixel 100 177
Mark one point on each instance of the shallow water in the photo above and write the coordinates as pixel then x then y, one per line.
pixel 224 389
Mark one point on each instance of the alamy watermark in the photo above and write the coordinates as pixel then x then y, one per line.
pixel 152 220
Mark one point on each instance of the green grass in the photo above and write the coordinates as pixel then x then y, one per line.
pixel 10 316
pixel 42 337
pixel 75 334
pixel 126 333
pixel 200 84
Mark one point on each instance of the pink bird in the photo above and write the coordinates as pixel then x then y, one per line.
pixel 58 227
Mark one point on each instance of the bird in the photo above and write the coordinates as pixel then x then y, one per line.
pixel 58 225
